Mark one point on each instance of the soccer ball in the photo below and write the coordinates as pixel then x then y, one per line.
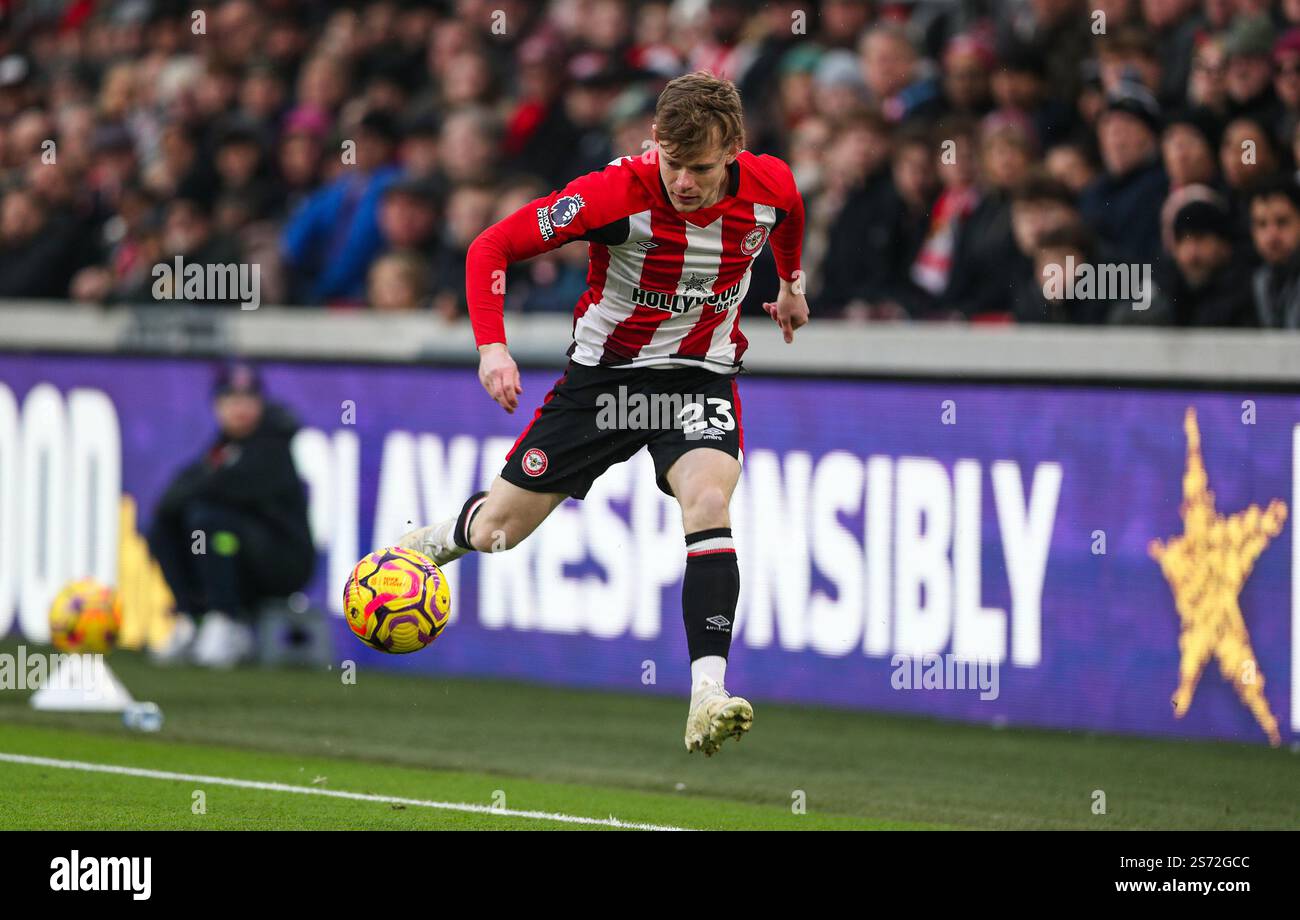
pixel 397 600
pixel 86 616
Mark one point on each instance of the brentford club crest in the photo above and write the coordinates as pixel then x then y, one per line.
pixel 534 462
pixel 753 241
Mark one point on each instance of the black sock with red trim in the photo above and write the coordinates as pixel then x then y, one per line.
pixel 710 591
pixel 460 533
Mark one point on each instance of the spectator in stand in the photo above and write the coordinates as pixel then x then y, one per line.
pixel 1189 148
pixel 1073 163
pixel 408 216
pixel 1205 284
pixel 1060 31
pixel 39 250
pixel 1248 49
pixel 1123 206
pixel 1040 205
pixel 968 60
pixel 1059 251
pixel 895 83
pixel 887 290
pixel 468 147
pixel 469 213
pixel 1208 85
pixel 1174 26
pixel 1247 156
pixel 1275 229
pixel 1129 54
pixel 398 282
pixel 856 210
pixel 329 242
pixel 843 22
pixel 963 260
pixel 299 158
pixel 1286 82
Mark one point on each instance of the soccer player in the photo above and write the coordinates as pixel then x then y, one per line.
pixel 673 235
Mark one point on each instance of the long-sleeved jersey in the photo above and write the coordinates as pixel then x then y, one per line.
pixel 664 287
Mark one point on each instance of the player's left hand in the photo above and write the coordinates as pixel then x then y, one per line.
pixel 790 310
pixel 499 375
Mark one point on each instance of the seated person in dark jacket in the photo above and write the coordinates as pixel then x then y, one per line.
pixel 1205 283
pixel 232 529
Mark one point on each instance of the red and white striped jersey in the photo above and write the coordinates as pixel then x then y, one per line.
pixel 664 287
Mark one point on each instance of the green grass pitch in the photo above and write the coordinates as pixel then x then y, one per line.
pixel 583 755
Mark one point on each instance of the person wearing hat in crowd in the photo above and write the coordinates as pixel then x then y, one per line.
pixel 1123 205
pixel 1275 230
pixel 329 242
pixel 1205 283
pixel 231 529
pixel 1248 49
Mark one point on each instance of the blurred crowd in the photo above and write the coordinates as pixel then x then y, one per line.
pixel 950 152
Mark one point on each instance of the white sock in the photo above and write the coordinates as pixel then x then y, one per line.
pixel 442 534
pixel 714 667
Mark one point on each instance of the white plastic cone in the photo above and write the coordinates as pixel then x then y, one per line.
pixel 86 685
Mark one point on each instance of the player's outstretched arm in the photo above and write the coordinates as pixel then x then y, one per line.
pixel 790 311
pixel 539 226
pixel 499 375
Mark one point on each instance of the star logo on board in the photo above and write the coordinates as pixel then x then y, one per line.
pixel 1206 567
pixel 701 283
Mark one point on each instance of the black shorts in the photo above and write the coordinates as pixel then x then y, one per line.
pixel 595 417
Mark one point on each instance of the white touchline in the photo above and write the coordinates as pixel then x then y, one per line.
pixel 330 793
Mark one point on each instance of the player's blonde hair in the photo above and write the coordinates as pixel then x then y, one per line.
pixel 698 111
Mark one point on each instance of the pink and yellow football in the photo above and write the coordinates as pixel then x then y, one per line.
pixel 397 600
pixel 86 616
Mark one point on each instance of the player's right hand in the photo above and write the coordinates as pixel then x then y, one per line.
pixel 499 375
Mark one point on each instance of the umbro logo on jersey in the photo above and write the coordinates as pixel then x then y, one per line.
pixel 646 245
pixel 718 623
